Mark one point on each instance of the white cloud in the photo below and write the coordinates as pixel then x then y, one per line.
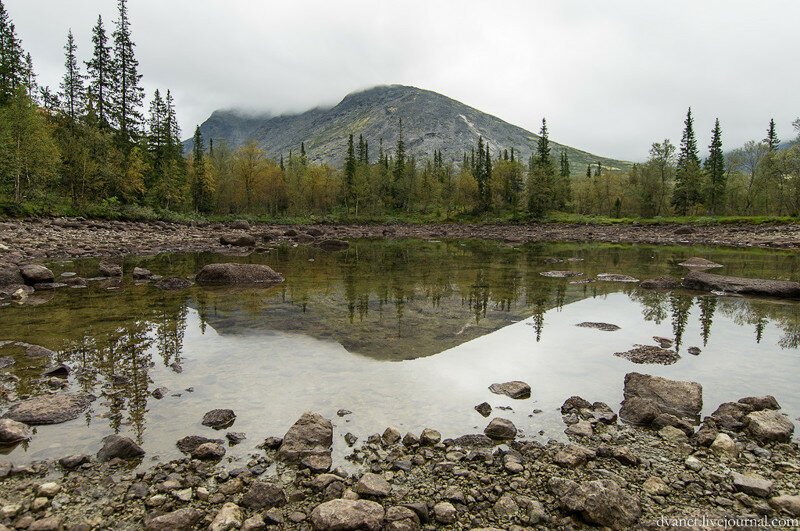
pixel 611 76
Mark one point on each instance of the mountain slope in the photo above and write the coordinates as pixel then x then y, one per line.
pixel 431 122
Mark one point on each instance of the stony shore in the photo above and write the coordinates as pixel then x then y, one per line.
pixel 740 465
pixel 53 239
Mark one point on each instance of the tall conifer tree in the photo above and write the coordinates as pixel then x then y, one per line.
pixel 100 70
pixel 127 93
pixel 72 89
pixel 772 141
pixel 12 60
pixel 687 192
pixel 714 167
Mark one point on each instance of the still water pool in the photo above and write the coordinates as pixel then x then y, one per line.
pixel 405 333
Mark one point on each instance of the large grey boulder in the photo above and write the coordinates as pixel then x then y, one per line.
pixel 35 274
pixel 682 399
pixel 783 289
pixel 48 409
pixel 232 274
pixel 601 502
pixel 769 426
pixel 344 515
pixel 219 418
pixel 308 441
pixel 500 429
pixel 372 485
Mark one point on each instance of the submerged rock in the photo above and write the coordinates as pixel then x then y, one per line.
pixel 605 327
pixel 232 273
pixel 515 389
pixel 48 409
pixel 173 283
pixel 616 277
pixel 561 274
pixel 649 354
pixel 333 245
pixel 743 286
pixel 699 263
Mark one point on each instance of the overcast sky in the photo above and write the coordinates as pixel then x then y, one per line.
pixel 610 76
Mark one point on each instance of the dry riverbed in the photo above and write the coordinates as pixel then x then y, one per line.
pixel 30 240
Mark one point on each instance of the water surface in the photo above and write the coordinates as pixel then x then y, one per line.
pixel 406 333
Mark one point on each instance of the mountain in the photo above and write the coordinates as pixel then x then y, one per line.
pixel 431 122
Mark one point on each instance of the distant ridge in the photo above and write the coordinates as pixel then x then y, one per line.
pixel 431 122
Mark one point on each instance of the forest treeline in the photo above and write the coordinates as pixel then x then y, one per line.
pixel 91 148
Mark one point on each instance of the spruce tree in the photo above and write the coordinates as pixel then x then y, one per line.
pixel 127 94
pixel 687 192
pixel 772 141
pixel 72 90
pixel 201 191
pixel 12 65
pixel 303 158
pixel 30 79
pixel 349 169
pixel 541 176
pixel 360 149
pixel 588 170
pixel 400 155
pixel 714 167
pixel 100 71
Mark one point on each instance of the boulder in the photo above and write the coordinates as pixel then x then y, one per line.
pixel 575 403
pixel 108 269
pixel 333 245
pixel 561 274
pixel 119 446
pixel 209 451
pixel 769 426
pixel 140 273
pixel 229 517
pixel 616 277
pixel 752 484
pixel 373 485
pixel 238 240
pixel 429 437
pixel 639 411
pixel 311 435
pixel 344 515
pixel 484 409
pixel 48 409
pixel 263 495
pixel 241 274
pixel 445 513
pixel 731 415
pixel 188 444
pixel 682 399
pixel 240 224
pixel 782 289
pixel 401 519
pixel 35 274
pixel 786 503
pixel 219 418
pixel 515 389
pixel 759 403
pixel 500 429
pixel 13 432
pixel 180 520
pixel 573 456
pixel 600 502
